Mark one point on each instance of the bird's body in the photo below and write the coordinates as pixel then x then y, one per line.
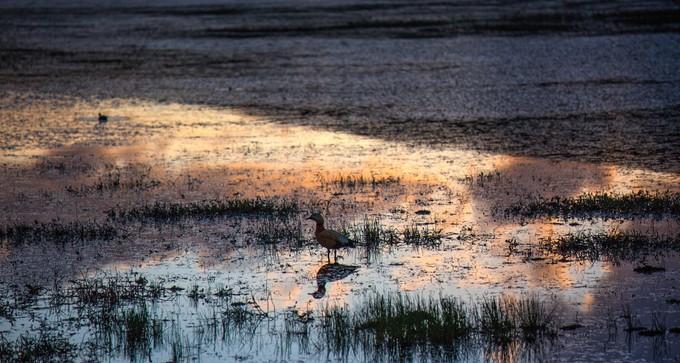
pixel 329 238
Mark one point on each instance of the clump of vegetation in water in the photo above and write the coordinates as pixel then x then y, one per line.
pixel 359 181
pixel 482 179
pixel 613 246
pixel 642 203
pixel 113 181
pixel 47 345
pixel 422 235
pixel 109 291
pixel 58 232
pixel 399 324
pixel 172 211
pixel 372 234
pixel 275 230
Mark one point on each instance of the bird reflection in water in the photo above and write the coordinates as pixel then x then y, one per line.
pixel 328 273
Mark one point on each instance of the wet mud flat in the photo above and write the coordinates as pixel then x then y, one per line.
pixel 510 174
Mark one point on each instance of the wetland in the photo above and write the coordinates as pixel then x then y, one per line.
pixel 510 175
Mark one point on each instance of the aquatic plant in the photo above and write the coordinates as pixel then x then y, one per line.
pixel 139 328
pixel 352 181
pixel 57 232
pixel 372 234
pixel 114 181
pixel 48 345
pixel 658 328
pixel 422 235
pixel 642 203
pixel 613 246
pixel 112 290
pixel 173 211
pixel 400 324
pixel 273 230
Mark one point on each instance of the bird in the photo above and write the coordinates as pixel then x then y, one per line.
pixel 328 273
pixel 103 118
pixel 328 238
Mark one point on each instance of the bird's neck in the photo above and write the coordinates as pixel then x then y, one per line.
pixel 319 227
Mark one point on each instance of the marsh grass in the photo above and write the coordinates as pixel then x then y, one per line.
pixel 114 181
pixel 57 232
pixel 118 313
pixel 297 330
pixel 195 293
pixel 274 230
pixel 371 234
pixel 641 203
pixel 422 235
pixel 76 165
pixel 632 323
pixel 402 325
pixel 110 291
pixel 657 328
pixel 48 345
pixel 360 181
pixel 496 319
pixel 7 310
pixel 139 327
pixel 160 212
pixel 613 246
pixel 482 179
pixel 384 327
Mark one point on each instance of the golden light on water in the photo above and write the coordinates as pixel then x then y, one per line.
pixel 201 152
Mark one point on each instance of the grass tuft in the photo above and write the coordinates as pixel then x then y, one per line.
pixel 275 230
pixel 372 234
pixel 48 345
pixel 612 246
pixel 57 232
pixel 641 203
pixel 400 324
pixel 360 181
pixel 113 181
pixel 172 212
pixel 422 235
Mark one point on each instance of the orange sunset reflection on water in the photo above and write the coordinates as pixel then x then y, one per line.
pixel 198 152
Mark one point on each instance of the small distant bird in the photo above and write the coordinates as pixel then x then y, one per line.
pixel 328 273
pixel 328 238
pixel 103 118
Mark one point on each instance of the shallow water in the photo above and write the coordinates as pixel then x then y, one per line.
pixel 199 152
pixel 445 130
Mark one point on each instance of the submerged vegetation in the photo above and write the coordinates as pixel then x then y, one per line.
pixel 422 235
pixel 641 203
pixel 114 181
pixel 611 246
pixel 398 325
pixel 275 230
pixel 57 232
pixel 172 211
pixel 126 315
pixel 351 181
pixel 48 345
pixel 373 234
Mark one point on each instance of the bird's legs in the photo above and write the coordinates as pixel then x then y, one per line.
pixel 335 256
pixel 328 254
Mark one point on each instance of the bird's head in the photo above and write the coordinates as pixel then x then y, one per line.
pixel 316 217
